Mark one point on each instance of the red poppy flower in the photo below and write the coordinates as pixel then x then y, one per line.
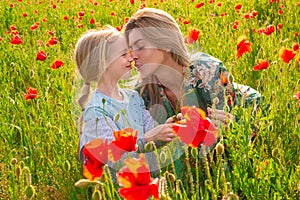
pixel 131 1
pixel 244 46
pixel 24 14
pixel 81 13
pixel 224 79
pixel 65 18
pixel 279 27
pixel 262 64
pixel 12 27
pixel 51 32
pixel 286 55
pixel 95 155
pixel 186 21
pixel 57 64
pixel 41 56
pixel 92 21
pixel 136 181
pixel 193 35
pixel 52 41
pixel 297 95
pixel 268 30
pixel 16 40
pixel 199 5
pixel 195 129
pixel 125 141
pixel 295 46
pixel 31 93
pixel 238 7
pixel 34 26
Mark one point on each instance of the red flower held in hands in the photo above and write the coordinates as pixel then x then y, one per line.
pixel 31 93
pixel 16 40
pixel 286 55
pixel 95 157
pixel 193 36
pixel 262 64
pixel 195 129
pixel 244 46
pixel 57 64
pixel 125 141
pixel 136 180
pixel 41 56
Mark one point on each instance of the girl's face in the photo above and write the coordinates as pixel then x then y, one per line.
pixel 146 56
pixel 119 62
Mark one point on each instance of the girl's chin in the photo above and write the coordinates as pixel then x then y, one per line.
pixel 126 76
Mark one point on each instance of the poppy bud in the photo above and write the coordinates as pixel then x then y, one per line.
pixel 29 191
pixel 13 161
pixel 219 149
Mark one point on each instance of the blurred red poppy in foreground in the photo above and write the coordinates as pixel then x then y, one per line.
pixel 125 141
pixel 95 157
pixel 41 56
pixel 195 129
pixel 193 36
pixel 244 46
pixel 136 181
pixel 286 55
pixel 57 64
pixel 262 64
pixel 16 40
pixel 31 93
pixel 297 96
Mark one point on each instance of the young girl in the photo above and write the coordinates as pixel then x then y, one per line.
pixel 102 57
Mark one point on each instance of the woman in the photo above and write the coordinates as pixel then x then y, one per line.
pixel 171 77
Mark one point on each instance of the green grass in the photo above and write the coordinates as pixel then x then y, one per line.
pixel 39 137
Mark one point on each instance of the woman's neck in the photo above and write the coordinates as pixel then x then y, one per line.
pixel 110 88
pixel 171 76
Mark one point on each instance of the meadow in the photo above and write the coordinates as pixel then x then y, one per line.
pixel 39 132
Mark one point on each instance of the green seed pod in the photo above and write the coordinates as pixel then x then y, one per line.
pixel 171 177
pixel 67 166
pixel 18 172
pixel 275 152
pixel 149 146
pixel 82 183
pixel 13 161
pixel 116 117
pixel 194 152
pixel 29 191
pixel 219 148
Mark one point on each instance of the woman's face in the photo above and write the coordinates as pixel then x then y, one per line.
pixel 146 56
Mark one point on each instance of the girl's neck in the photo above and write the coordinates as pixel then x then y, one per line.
pixel 110 88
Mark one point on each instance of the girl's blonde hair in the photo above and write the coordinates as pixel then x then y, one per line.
pixel 92 57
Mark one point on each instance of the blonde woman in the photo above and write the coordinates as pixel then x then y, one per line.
pixel 171 77
pixel 102 57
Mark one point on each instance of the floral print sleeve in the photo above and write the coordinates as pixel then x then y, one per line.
pixel 209 79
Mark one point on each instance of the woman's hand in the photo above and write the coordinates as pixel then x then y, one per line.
pixel 163 132
pixel 219 117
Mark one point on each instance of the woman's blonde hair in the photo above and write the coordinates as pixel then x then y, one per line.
pixel 92 57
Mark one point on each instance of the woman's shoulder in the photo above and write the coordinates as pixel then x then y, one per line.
pixel 201 58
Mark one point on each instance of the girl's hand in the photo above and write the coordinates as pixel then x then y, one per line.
pixel 163 132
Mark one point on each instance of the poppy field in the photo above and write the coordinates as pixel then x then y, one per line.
pixel 258 154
